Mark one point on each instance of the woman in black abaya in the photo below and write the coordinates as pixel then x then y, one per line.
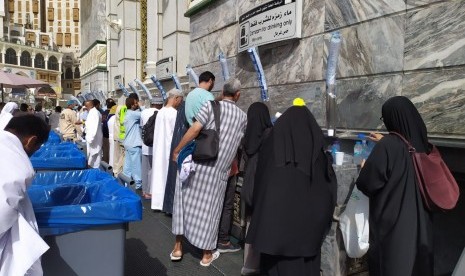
pixel 258 129
pixel 294 196
pixel 401 240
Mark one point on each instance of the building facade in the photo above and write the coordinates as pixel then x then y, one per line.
pixel 33 62
pixel 141 34
pixel 94 73
pixel 60 20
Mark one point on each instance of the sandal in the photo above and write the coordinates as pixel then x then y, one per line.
pixel 215 256
pixel 175 258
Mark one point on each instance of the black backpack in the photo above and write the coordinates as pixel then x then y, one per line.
pixel 148 129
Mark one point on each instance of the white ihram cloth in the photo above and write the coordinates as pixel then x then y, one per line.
pixel 163 134
pixel 7 114
pixel 94 138
pixel 20 244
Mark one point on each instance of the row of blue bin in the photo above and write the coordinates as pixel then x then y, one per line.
pixel 80 212
pixel 57 155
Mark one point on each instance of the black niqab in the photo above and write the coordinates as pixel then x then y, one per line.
pixel 401 116
pixel 297 136
pixel 258 120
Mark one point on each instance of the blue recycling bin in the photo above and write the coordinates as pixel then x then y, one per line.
pixel 82 216
pixel 53 138
pixel 60 156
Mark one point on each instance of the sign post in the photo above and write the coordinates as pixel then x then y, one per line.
pixel 273 21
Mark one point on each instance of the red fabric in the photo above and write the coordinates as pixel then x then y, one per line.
pixel 234 168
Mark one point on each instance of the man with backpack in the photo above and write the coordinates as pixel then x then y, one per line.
pixel 147 122
pixel 163 134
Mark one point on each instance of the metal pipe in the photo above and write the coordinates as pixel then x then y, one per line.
pixel 159 86
pixel 124 179
pixel 146 90
pixel 125 91
pixel 134 89
pixel 106 167
pixel 192 73
pixel 177 83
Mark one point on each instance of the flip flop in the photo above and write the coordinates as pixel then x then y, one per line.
pixel 215 256
pixel 175 258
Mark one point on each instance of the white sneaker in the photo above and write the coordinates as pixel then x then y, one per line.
pixel 215 256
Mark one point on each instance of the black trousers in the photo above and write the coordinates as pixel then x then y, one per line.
pixel 228 210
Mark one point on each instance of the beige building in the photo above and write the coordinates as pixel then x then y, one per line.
pixel 60 19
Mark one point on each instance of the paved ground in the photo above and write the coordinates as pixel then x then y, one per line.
pixel 149 243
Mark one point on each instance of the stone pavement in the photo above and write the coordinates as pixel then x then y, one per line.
pixel 150 241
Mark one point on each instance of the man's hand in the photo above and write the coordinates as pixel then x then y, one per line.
pixel 175 156
pixel 375 137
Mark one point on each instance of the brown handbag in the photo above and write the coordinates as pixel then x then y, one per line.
pixel 435 181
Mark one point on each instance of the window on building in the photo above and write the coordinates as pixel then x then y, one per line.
pixel 59 14
pixel 76 39
pixel 11 6
pixel 44 40
pixel 19 5
pixel 59 38
pixel 25 59
pixel 31 37
pixel 39 61
pixel 77 73
pixel 75 15
pixel 67 14
pixel 10 56
pixel 50 15
pixel 68 39
pixel 28 6
pixel 69 73
pixel 35 6
pixel 52 63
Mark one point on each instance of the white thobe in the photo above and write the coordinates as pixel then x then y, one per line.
pixel 20 244
pixel 111 133
pixel 94 138
pixel 7 114
pixel 163 134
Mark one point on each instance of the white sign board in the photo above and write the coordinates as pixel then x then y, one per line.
pixel 165 68
pixel 271 22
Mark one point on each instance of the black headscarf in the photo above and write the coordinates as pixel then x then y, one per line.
pixel 298 139
pixel 258 120
pixel 401 116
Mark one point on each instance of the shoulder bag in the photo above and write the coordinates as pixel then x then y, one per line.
pixel 207 143
pixel 435 181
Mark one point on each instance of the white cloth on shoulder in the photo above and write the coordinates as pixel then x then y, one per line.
pixel 187 167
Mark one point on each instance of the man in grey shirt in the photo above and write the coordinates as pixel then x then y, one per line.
pixel 54 118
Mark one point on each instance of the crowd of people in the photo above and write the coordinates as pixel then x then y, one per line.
pixel 289 184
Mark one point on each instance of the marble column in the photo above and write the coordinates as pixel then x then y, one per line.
pixel 152 38
pixel 33 60
pixel 18 56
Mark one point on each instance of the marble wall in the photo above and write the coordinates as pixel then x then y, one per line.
pixel 414 48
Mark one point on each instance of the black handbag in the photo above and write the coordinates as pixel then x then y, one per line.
pixel 208 141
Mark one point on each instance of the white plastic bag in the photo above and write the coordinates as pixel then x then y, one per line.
pixel 354 225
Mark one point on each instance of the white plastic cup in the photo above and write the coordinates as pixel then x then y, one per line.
pixel 339 158
pixel 330 132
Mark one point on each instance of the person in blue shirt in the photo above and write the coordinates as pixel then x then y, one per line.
pixel 197 97
pixel 132 143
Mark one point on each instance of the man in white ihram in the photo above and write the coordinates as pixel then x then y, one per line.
pixel 20 243
pixel 94 135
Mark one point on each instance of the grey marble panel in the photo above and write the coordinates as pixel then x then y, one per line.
pixel 360 100
pixel 313 17
pixel 343 13
pixel 248 97
pixel 295 61
pixel 440 99
pixel 282 96
pixel 435 36
pixel 215 68
pixel 244 6
pixel 417 3
pixel 206 49
pixel 245 70
pixel 216 16
pixel 370 48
